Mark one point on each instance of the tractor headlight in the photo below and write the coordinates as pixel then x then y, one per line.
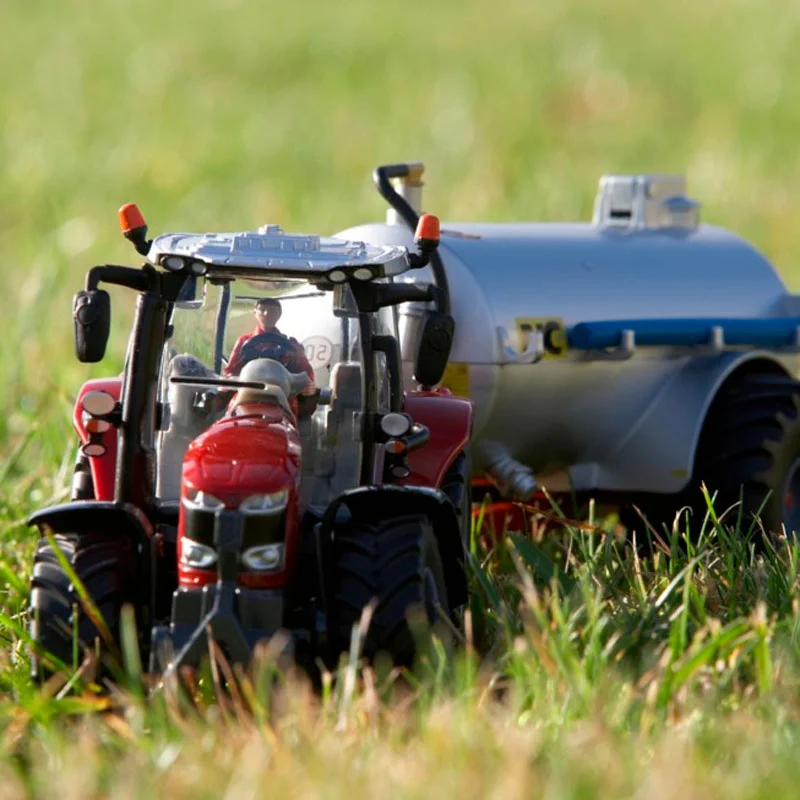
pixel 197 500
pixel 265 503
pixel 394 424
pixel 263 558
pixel 196 555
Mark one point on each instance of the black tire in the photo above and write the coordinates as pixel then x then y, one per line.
pixel 105 565
pixel 748 454
pixel 750 450
pixel 457 485
pixel 82 487
pixel 396 562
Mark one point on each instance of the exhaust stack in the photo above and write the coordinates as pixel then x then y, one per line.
pixel 409 187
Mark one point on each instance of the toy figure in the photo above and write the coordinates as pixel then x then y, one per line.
pixel 266 341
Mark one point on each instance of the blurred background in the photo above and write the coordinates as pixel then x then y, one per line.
pixel 224 115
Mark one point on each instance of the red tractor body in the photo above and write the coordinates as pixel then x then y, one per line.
pixel 101 468
pixel 449 420
pixel 254 454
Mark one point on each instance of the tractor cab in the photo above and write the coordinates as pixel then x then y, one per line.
pixel 299 338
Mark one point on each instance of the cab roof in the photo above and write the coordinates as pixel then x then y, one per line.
pixel 271 250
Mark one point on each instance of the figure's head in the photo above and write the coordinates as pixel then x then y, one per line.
pixel 268 312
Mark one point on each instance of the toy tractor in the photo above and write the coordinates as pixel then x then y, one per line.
pixel 627 359
pixel 285 492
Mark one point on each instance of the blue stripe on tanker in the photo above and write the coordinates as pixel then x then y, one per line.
pixel 769 332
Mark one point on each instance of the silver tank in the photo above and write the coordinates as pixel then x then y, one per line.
pixel 625 417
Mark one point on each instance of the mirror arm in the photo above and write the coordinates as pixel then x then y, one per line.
pixel 139 279
pixel 419 260
pixel 371 297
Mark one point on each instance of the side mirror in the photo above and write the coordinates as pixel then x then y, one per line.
pixel 433 352
pixel 91 315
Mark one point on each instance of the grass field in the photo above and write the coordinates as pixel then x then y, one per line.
pixel 623 678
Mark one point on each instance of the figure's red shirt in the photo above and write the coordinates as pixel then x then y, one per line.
pixel 293 357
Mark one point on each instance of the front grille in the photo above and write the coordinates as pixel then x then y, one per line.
pixel 198 524
pixel 263 529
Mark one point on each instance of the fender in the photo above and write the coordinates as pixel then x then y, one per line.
pixel 449 419
pixel 103 467
pixel 124 520
pixel 88 516
pixel 658 453
pixel 375 503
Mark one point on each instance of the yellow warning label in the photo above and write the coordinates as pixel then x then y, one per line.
pixel 456 379
pixel 553 332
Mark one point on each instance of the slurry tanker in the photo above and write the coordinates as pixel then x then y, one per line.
pixel 628 358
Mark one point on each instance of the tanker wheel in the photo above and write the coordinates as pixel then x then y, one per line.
pixel 397 563
pixel 59 623
pixel 748 454
pixel 457 485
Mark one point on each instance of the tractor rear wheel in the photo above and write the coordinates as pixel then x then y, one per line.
pixel 457 485
pixel 59 622
pixel 749 455
pixel 396 563
pixel 82 482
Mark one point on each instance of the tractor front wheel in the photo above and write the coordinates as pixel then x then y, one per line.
pixel 60 622
pixel 395 563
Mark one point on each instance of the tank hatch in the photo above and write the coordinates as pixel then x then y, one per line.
pixel 645 202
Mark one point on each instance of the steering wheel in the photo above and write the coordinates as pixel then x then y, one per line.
pixel 280 348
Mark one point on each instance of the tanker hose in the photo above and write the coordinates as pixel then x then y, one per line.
pixel 513 479
pixel 382 177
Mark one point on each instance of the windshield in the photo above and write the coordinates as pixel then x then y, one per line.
pixel 218 327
